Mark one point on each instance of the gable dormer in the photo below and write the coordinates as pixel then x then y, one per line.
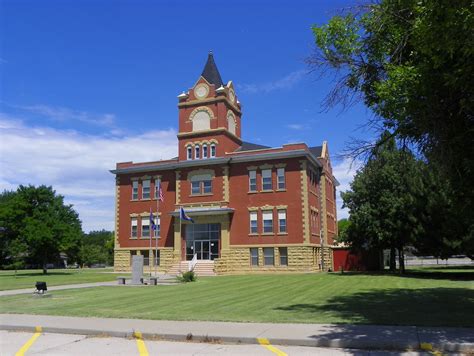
pixel 209 112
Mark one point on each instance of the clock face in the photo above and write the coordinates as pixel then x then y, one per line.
pixel 201 91
pixel 231 95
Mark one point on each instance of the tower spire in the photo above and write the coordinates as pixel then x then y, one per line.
pixel 211 73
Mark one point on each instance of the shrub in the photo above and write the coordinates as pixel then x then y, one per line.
pixel 189 276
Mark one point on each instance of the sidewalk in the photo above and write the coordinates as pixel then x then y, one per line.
pixel 323 335
pixel 52 288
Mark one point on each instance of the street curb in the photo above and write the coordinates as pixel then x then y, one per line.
pixel 316 342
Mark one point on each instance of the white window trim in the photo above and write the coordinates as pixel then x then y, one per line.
pixel 213 148
pixel 189 153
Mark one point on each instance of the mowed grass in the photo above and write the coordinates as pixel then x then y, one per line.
pixel 420 299
pixel 55 277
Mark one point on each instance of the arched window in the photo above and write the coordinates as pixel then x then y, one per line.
pixel 231 122
pixel 189 152
pixel 204 151
pixel 213 151
pixel 201 120
pixel 197 152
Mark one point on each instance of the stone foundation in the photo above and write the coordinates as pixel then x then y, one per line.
pixel 122 260
pixel 237 261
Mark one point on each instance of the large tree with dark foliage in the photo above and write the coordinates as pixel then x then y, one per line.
pixel 37 219
pixel 412 63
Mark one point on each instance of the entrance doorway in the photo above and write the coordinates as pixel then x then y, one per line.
pixel 202 240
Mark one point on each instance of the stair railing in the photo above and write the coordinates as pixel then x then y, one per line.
pixel 193 262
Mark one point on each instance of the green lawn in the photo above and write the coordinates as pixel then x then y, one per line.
pixel 440 298
pixel 55 277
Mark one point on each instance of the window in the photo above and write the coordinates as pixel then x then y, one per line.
pixel 268 256
pixel 267 179
pixel 189 152
pixel 281 178
pixel 201 184
pixel 283 251
pixel 195 188
pixel 146 189
pixel 204 151
pixel 254 256
pixel 156 255
pixel 231 122
pixel 207 186
pixel 146 258
pixel 134 230
pixel 156 232
pixel 267 221
pixel 197 152
pixel 253 222
pixel 252 181
pixel 281 220
pixel 145 227
pixel 213 150
pixel 135 190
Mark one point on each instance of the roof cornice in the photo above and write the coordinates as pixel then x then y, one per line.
pixel 219 161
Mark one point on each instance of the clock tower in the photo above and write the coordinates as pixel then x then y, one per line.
pixel 209 117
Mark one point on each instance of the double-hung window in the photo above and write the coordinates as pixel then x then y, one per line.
pixel 213 150
pixel 254 256
pixel 266 179
pixel 267 221
pixel 135 190
pixel 281 220
pixel 283 256
pixel 281 178
pixel 207 186
pixel 146 189
pixel 197 152
pixel 189 153
pixel 145 227
pixel 201 184
pixel 252 181
pixel 204 151
pixel 157 188
pixel 253 222
pixel 195 188
pixel 268 256
pixel 134 229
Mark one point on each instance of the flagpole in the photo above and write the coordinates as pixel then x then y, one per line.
pixel 156 237
pixel 150 229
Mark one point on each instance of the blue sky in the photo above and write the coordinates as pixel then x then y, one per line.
pixel 85 84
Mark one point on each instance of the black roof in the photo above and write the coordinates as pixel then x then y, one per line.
pixel 248 146
pixel 211 73
pixel 316 150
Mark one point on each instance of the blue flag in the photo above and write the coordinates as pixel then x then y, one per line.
pixel 152 221
pixel 184 216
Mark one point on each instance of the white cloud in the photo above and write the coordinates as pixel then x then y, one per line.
pixel 344 172
pixel 297 127
pixel 75 164
pixel 62 114
pixel 286 82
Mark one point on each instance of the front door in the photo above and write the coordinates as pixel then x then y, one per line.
pixel 202 240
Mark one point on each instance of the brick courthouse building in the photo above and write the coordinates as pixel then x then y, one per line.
pixel 255 208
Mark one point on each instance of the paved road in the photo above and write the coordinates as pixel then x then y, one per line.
pixel 62 344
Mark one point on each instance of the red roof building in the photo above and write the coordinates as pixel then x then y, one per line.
pixel 255 208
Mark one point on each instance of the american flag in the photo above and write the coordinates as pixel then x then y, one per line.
pixel 159 192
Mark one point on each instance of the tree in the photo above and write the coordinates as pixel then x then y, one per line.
pixel 103 251
pixel 383 201
pixel 342 226
pixel 39 218
pixel 412 63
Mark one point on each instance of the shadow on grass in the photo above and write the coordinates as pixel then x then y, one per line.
pixel 35 274
pixel 421 307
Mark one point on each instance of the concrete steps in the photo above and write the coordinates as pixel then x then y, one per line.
pixel 202 268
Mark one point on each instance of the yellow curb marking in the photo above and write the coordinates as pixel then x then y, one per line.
pixel 426 346
pixel 30 342
pixel 142 350
pixel 265 343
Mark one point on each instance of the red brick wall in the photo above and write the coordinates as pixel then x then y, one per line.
pixel 241 199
